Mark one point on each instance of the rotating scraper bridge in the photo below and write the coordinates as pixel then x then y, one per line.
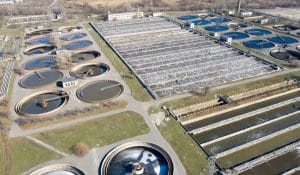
pixel 169 60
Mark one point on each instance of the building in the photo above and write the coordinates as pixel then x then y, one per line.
pixel 7 2
pixel 69 81
pixel 246 13
pixel 156 14
pixel 124 16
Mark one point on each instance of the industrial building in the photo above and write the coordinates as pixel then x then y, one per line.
pixel 124 16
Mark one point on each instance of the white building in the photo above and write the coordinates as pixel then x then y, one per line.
pixel 69 82
pixel 246 13
pixel 7 2
pixel 124 16
pixel 156 14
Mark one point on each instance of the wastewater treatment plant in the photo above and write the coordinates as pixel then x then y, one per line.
pixel 150 93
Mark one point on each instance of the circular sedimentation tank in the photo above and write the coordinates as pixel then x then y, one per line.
pixel 137 158
pixel 280 54
pixel 39 79
pixel 39 32
pixel 285 55
pixel 286 27
pixel 84 56
pixel 40 50
pixel 258 32
pixel 259 44
pixel 42 103
pixel 216 28
pixel 58 169
pixel 236 35
pixel 73 36
pixel 220 20
pixel 187 17
pixel 201 22
pixel 294 54
pixel 98 91
pixel 282 40
pixel 243 25
pixel 69 29
pixel 39 40
pixel 40 63
pixel 89 70
pixel 76 45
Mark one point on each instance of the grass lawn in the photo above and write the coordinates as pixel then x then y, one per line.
pixel 24 155
pixel 193 158
pixel 98 132
pixel 229 91
pixel 80 114
pixel 138 92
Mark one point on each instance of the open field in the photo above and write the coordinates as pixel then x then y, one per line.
pixel 291 13
pixel 98 132
pixel 138 92
pixel 114 3
pixel 192 157
pixel 23 155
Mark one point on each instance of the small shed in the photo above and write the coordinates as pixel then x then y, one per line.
pixel 69 81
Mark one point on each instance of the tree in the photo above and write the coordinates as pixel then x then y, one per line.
pixel 80 149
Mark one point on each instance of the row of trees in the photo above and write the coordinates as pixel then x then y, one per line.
pixel 35 7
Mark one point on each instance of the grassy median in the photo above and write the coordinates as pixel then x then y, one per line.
pixel 193 158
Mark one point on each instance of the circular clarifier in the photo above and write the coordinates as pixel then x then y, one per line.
pixel 187 17
pixel 216 28
pixel 280 55
pixel 201 22
pixel 286 27
pixel 73 36
pixel 40 63
pixel 259 44
pixel 39 32
pixel 40 50
pixel 220 20
pixel 294 54
pixel 84 56
pixel 39 79
pixel 258 32
pixel 39 40
pixel 137 158
pixel 58 169
pixel 285 55
pixel 70 29
pixel 236 35
pixel 89 70
pixel 42 103
pixel 98 91
pixel 283 40
pixel 76 45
